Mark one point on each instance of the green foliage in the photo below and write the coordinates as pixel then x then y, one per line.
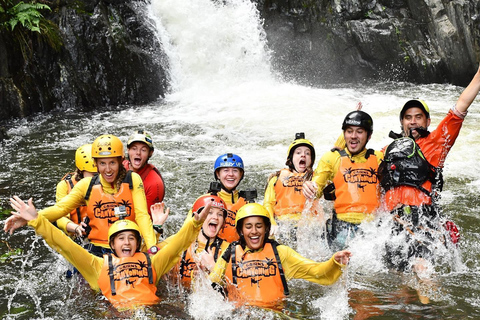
pixel 27 14
pixel 21 18
pixel 9 255
pixel 4 213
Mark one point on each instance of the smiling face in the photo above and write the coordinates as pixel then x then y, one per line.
pixel 229 177
pixel 414 118
pixel 254 231
pixel 213 223
pixel 109 168
pixel 302 158
pixel 138 154
pixel 356 139
pixel 125 243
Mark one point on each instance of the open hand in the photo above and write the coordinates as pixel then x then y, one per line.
pixel 22 214
pixel 202 215
pixel 159 214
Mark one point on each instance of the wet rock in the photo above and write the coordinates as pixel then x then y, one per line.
pixel 324 42
pixel 110 56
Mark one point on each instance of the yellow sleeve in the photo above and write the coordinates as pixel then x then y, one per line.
pixel 71 201
pixel 270 198
pixel 326 170
pixel 86 263
pixel 167 257
pixel 379 155
pixel 61 190
pixel 299 267
pixel 217 275
pixel 340 143
pixel 62 224
pixel 141 213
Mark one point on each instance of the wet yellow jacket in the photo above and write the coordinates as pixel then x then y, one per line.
pixel 76 198
pixel 327 169
pixel 294 265
pixel 90 266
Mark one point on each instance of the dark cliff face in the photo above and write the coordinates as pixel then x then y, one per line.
pixel 110 56
pixel 349 41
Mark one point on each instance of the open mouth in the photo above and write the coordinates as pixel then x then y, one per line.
pixel 212 227
pixel 127 251
pixel 137 162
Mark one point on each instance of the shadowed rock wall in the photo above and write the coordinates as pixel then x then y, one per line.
pixel 337 41
pixel 110 56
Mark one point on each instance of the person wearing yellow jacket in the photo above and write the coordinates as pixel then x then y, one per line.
pixel 126 277
pixel 353 174
pixel 283 198
pixel 254 270
pixel 85 168
pixel 113 187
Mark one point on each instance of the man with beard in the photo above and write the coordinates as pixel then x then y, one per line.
pixel 353 172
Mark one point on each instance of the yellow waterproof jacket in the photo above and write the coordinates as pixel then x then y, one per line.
pixel 90 265
pixel 294 265
pixel 76 198
pixel 327 169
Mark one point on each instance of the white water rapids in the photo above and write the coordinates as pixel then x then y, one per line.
pixel 225 97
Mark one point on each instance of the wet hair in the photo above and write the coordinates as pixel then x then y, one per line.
pixel 122 172
pixel 78 175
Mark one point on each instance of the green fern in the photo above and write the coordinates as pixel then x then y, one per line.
pixel 27 14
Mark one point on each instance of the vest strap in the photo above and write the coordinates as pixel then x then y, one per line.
pixel 280 268
pixel 149 263
pixel 110 274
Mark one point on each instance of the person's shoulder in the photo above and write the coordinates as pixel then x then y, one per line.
pixel 378 154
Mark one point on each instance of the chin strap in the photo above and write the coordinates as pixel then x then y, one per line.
pixel 208 240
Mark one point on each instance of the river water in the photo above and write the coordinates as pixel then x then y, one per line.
pixel 226 98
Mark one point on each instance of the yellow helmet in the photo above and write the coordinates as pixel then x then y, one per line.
pixel 84 160
pixel 123 225
pixel 251 210
pixel 107 146
pixel 301 141
pixel 141 136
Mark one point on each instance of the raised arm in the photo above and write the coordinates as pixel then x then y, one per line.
pixel 469 94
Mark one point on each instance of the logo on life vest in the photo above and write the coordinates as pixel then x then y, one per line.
pixel 361 177
pixel 295 182
pixel 256 270
pixel 106 210
pixel 187 266
pixel 131 272
pixel 230 220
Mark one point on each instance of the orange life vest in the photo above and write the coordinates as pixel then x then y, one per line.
pixel 77 215
pixel 356 185
pixel 101 205
pixel 127 282
pixel 255 278
pixel 288 192
pixel 187 264
pixel 229 233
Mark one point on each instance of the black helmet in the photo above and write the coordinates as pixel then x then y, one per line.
pixel 358 119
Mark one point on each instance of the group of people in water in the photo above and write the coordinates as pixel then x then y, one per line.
pixel 116 206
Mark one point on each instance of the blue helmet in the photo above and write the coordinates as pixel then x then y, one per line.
pixel 228 160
